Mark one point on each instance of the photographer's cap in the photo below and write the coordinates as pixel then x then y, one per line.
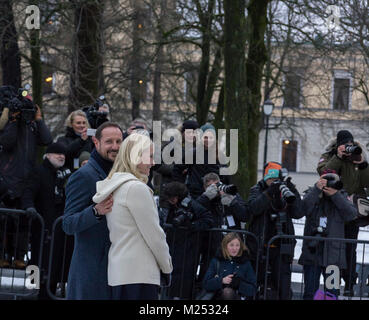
pixel 343 137
pixel 272 170
pixel 56 147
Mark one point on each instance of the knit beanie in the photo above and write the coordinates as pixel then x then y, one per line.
pixel 343 137
pixel 83 156
pixel 190 124
pixel 207 126
pixel 56 147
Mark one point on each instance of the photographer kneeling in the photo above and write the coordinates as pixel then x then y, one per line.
pixel 273 204
pixel 188 217
pixel 327 209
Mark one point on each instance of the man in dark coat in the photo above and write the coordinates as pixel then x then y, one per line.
pixel 86 221
pixel 326 210
pixel 269 215
pixel 183 212
pixel 45 194
pixel 353 169
pixel 24 131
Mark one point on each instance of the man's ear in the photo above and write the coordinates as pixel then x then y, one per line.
pixel 95 141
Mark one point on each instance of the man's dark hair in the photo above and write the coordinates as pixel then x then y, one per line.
pixel 174 189
pixel 106 124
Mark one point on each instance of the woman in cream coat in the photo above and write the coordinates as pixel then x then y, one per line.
pixel 138 244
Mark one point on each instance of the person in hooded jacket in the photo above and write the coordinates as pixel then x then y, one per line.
pixel 326 209
pixel 139 252
pixel 76 139
pixel 353 169
pixel 230 274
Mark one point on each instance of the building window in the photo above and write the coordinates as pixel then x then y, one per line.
pixel 289 154
pixel 292 88
pixel 341 99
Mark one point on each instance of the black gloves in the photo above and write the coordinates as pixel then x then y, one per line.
pixel 235 283
pixel 273 190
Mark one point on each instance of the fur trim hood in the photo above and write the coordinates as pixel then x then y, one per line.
pixel 332 145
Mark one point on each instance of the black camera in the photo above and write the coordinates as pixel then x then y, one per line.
pixel 94 116
pixel 19 106
pixel 183 214
pixel 63 174
pixel 332 182
pixel 317 232
pixel 286 193
pixel 353 149
pixel 230 189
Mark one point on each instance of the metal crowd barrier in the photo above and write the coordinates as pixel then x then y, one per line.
pixel 58 266
pixel 17 283
pixel 194 259
pixel 363 272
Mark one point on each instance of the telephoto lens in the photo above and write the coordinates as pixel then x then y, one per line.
pixel 353 149
pixel 287 194
pixel 230 189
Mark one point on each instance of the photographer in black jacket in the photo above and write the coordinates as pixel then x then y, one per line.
pixel 272 208
pixel 227 209
pixel 188 217
pixel 22 130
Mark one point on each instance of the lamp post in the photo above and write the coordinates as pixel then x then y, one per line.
pixel 267 109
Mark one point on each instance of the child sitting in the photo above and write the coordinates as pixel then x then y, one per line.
pixel 230 273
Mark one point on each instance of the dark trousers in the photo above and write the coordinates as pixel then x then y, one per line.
pixel 349 275
pixel 279 275
pixel 311 281
pixel 136 291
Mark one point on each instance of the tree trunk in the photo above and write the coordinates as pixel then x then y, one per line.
pixel 236 116
pixel 10 56
pixel 256 58
pixel 137 75
pixel 157 85
pixel 36 67
pixel 87 58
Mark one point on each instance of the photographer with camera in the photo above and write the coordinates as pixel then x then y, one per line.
pixel 98 113
pixel 23 129
pixel 188 218
pixel 45 194
pixel 327 209
pixel 273 203
pixel 76 140
pixel 347 157
pixel 227 209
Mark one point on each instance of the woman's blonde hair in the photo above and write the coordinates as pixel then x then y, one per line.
pixel 72 115
pixel 130 155
pixel 227 239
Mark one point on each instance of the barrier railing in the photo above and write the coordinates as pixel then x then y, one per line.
pixel 58 266
pixel 320 258
pixel 16 231
pixel 191 256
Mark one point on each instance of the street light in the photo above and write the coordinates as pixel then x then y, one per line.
pixel 268 110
